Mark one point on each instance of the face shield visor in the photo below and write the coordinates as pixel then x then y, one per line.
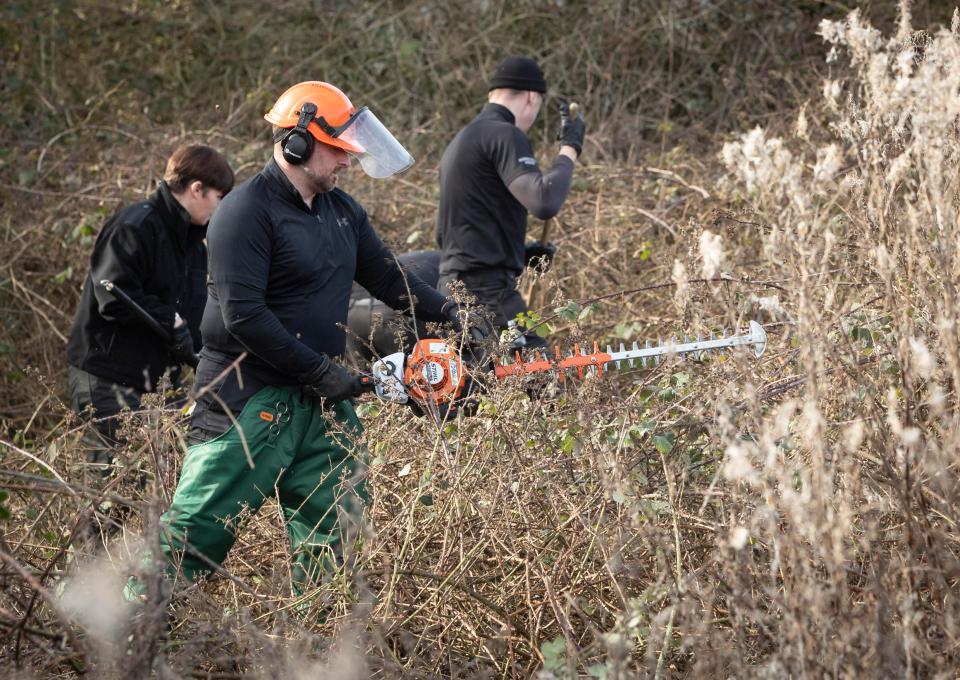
pixel 379 153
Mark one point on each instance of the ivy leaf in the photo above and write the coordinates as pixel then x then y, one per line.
pixel 369 410
pixel 554 653
pixel 663 442
pixel 643 428
pixel 570 312
pixel 599 671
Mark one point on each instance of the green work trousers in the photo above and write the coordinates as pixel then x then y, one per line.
pixel 283 445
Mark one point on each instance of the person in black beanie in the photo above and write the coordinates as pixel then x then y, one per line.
pixel 490 180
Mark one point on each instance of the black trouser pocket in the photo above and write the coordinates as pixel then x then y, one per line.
pixel 207 424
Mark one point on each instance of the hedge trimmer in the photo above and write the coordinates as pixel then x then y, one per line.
pixel 434 372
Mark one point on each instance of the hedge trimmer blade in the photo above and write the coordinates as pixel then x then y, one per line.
pixel 597 360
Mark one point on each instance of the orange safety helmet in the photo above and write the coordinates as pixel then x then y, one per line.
pixel 334 112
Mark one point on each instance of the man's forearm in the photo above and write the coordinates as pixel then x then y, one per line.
pixel 543 195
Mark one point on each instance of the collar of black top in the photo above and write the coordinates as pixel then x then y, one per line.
pixel 518 73
pixel 178 217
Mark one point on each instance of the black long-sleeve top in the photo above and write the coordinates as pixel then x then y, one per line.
pixel 281 275
pixel 151 252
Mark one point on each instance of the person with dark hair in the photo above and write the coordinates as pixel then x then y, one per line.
pixel 274 415
pixel 490 180
pixel 154 252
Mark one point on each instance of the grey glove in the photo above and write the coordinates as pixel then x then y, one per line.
pixel 181 348
pixel 461 317
pixel 572 130
pixel 332 383
pixel 535 250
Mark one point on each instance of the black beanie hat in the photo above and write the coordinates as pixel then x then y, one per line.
pixel 518 73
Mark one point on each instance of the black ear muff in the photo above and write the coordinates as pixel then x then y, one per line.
pixel 297 143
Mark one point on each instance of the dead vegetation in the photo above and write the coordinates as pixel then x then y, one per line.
pixel 792 516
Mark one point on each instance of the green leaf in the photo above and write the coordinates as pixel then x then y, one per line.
pixel 554 653
pixel 410 47
pixel 487 407
pixel 646 249
pixel 663 442
pixel 618 497
pixel 654 507
pixel 890 366
pixel 570 313
pixel 64 275
pixel 599 671
pixel 644 427
pixel 626 331
pixel 368 410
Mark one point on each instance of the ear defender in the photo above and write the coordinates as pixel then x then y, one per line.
pixel 297 143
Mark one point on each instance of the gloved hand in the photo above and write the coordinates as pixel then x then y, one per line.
pixel 534 250
pixel 572 130
pixel 461 317
pixel 181 348
pixel 332 383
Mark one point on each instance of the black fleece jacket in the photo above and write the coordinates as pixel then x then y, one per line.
pixel 152 252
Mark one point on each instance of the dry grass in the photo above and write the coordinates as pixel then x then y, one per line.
pixel 793 516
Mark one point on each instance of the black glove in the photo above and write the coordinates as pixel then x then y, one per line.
pixel 572 130
pixel 181 348
pixel 534 250
pixel 461 316
pixel 332 383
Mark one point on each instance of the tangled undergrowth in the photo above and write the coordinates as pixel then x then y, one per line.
pixel 793 515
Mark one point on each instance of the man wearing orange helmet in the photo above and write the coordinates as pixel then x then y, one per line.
pixel 274 413
pixel 490 180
